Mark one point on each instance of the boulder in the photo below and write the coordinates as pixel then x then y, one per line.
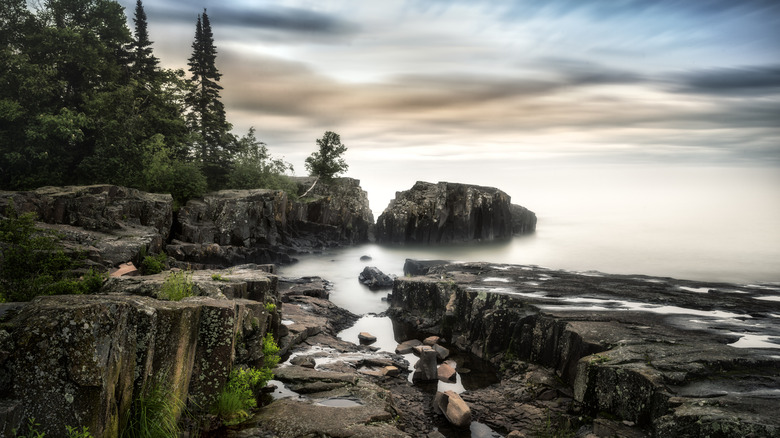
pixel 453 407
pixel 425 368
pixel 445 212
pixel 366 338
pixel 441 352
pixel 375 279
pixel 446 373
pixel 431 340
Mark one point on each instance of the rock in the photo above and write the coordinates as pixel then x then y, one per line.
pixel 365 258
pixel 407 347
pixel 306 286
pixel 453 407
pixel 110 224
pixel 425 368
pixel 446 373
pixel 303 361
pixel 523 219
pixel 375 279
pixel 81 359
pixel 431 340
pixel 631 349
pixel 391 371
pixel 366 338
pixel 436 434
pixel 441 352
pixel 445 212
pixel 127 269
pixel 516 434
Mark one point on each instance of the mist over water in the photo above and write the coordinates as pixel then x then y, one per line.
pixel 707 224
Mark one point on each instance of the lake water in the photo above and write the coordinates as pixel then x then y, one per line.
pixel 708 224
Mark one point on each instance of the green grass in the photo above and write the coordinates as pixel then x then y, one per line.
pixel 177 286
pixel 270 307
pixel 78 433
pixel 154 414
pixel 153 264
pixel 219 277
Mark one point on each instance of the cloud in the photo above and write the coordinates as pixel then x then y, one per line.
pixel 740 81
pixel 237 15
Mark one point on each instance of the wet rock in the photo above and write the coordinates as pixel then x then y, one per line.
pixel 425 368
pixel 375 279
pixel 407 347
pixel 366 258
pixel 391 371
pixel 453 407
pixel 445 212
pixel 304 286
pixel 446 373
pixel 523 219
pixel 366 338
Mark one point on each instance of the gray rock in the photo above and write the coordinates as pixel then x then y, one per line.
pixel 375 279
pixel 446 373
pixel 425 368
pixel 407 347
pixel 366 338
pixel 453 408
pixel 303 361
pixel 445 212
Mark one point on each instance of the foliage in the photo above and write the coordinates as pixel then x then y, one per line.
pixel 270 307
pixel 32 430
pixel 219 277
pixel 153 414
pixel 270 352
pixel 254 168
pixel 78 433
pixel 177 286
pixel 327 162
pixel 237 396
pixel 153 264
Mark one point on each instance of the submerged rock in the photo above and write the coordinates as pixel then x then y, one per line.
pixel 449 212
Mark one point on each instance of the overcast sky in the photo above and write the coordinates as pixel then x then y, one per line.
pixel 691 81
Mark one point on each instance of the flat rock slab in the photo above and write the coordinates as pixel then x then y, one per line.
pixel 659 352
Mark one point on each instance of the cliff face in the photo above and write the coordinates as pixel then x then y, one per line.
pixel 644 349
pixel 265 226
pixel 83 359
pixel 111 224
pixel 447 212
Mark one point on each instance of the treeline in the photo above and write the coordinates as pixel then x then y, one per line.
pixel 83 100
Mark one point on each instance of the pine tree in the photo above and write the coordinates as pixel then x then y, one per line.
pixel 207 118
pixel 144 62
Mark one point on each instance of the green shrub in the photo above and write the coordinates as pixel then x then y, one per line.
pixel 153 414
pixel 165 174
pixel 237 396
pixel 154 264
pixel 270 352
pixel 219 277
pixel 177 286
pixel 270 307
pixel 76 433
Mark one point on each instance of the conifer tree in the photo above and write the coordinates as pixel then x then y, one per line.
pixel 144 62
pixel 207 119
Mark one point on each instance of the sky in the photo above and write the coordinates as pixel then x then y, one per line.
pixel 688 80
pixel 664 113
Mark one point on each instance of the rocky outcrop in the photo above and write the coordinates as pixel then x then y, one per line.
pixel 448 212
pixel 110 224
pixel 375 279
pixel 523 219
pixel 81 360
pixel 267 226
pixel 673 356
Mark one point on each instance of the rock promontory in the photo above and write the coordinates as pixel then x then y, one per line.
pixel 450 212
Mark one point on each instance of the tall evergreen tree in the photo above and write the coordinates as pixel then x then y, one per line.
pixel 144 62
pixel 207 119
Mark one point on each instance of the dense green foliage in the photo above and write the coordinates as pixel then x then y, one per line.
pixel 153 264
pixel 83 100
pixel 328 161
pixel 33 262
pixel 238 395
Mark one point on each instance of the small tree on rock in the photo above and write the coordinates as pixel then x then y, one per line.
pixel 328 162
